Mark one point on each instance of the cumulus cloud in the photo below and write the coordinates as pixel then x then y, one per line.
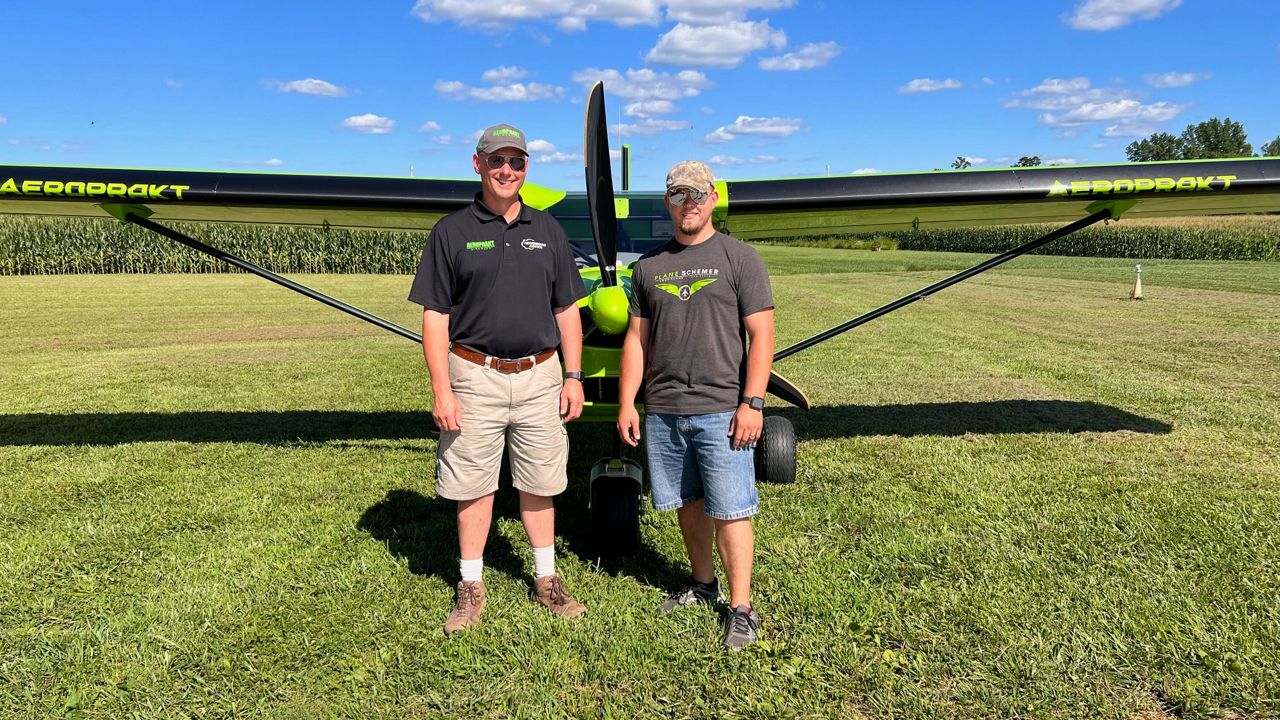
pixel 513 92
pixel 1174 79
pixel 370 124
pixel 925 85
pixel 646 85
pixel 646 127
pixel 541 146
pixel 1102 15
pixel 568 17
pixel 806 58
pixel 503 74
pixel 429 126
pixel 771 127
pixel 734 160
pixel 721 46
pixel 865 171
pixel 1129 115
pixel 649 108
pixel 172 84
pixel 553 158
pixel 1063 161
pixel 310 86
pixel 718 12
pixel 3 120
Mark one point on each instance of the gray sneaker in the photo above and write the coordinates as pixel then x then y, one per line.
pixel 740 629
pixel 693 593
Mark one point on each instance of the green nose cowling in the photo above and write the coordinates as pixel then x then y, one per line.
pixel 609 309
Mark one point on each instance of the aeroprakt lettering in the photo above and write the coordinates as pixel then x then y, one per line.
pixel 1124 186
pixel 76 188
pixel 480 245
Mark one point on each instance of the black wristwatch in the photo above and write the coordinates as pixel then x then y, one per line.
pixel 573 375
pixel 754 402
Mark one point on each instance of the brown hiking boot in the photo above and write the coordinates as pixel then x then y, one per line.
pixel 549 590
pixel 466 612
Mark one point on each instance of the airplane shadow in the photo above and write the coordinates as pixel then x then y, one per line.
pixel 997 417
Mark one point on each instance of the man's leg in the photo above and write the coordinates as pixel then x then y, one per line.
pixel 698 532
pixel 538 513
pixel 737 544
pixel 474 520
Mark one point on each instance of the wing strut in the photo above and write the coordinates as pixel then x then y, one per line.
pixel 130 216
pixel 1103 214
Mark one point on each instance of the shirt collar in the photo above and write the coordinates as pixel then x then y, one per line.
pixel 484 214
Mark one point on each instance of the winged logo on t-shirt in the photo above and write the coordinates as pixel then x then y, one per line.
pixel 684 292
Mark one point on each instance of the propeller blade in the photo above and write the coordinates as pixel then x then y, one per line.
pixel 781 387
pixel 604 218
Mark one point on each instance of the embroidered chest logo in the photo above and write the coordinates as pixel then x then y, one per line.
pixel 684 292
pixel 480 245
pixel 531 244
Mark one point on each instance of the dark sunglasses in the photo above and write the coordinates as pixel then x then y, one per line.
pixel 677 197
pixel 517 162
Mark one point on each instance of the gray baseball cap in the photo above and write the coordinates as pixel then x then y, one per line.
pixel 501 136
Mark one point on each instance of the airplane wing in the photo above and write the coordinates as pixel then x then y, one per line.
pixel 377 203
pixel 784 208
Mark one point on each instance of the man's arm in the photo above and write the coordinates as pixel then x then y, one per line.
pixel 570 325
pixel 635 347
pixel 445 409
pixel 747 423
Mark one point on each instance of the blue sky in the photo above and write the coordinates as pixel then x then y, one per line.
pixel 758 88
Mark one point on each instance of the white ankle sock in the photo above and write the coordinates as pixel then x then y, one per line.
pixel 472 570
pixel 544 561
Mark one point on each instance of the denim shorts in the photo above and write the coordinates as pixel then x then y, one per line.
pixel 691 458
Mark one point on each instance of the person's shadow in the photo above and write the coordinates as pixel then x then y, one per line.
pixel 423 529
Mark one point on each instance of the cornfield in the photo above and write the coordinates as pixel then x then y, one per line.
pixel 43 246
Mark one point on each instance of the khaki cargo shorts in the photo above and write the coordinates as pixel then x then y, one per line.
pixel 520 410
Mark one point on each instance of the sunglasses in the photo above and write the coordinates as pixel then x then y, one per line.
pixel 517 162
pixel 677 197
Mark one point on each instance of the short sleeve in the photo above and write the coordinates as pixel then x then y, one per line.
pixel 638 302
pixel 754 292
pixel 433 284
pixel 567 287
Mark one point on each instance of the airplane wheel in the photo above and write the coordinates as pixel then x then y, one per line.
pixel 776 452
pixel 615 516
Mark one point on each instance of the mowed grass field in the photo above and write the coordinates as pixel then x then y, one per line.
pixel 1026 496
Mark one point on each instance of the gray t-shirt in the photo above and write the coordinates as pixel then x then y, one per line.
pixel 695 297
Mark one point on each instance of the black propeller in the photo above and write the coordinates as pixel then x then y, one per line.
pixel 604 218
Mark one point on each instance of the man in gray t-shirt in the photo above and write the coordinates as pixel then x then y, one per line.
pixel 695 303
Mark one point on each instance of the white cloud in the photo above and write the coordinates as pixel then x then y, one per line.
pixel 541 146
pixel 172 84
pixel 429 126
pixel 3 120
pixel 707 110
pixel 1128 111
pixel 974 160
pixel 925 85
pixel 988 81
pixel 1174 79
pixel 503 74
pixel 515 92
pixel 733 160
pixel 721 46
pixel 644 84
pixel 647 126
pixel 552 158
pixel 1105 15
pixel 806 58
pixel 274 162
pixel 1060 94
pixel 310 86
pixel 1062 161
pixel 719 12
pixel 773 127
pixel 865 171
pixel 649 108
pixel 569 17
pixel 370 124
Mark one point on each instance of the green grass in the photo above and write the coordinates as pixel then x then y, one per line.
pixel 1026 496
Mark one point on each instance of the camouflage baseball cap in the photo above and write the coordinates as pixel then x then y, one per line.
pixel 690 174
pixel 501 136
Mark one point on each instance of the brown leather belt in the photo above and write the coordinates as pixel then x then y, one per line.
pixel 502 365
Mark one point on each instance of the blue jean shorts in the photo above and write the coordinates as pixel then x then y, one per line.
pixel 691 458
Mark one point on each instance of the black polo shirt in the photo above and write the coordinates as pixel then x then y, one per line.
pixel 498 282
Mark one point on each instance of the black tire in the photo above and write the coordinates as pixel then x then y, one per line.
pixel 615 516
pixel 776 452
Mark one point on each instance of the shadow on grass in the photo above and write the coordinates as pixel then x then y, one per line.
pixel 423 530
pixel 998 417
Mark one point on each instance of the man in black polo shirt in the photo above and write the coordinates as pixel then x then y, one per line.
pixel 499 292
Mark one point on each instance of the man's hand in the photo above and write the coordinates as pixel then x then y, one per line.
pixel 746 426
pixel 629 424
pixel 571 400
pixel 447 412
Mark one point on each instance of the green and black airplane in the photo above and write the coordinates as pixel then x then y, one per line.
pixel 606 224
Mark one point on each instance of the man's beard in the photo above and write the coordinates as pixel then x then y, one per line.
pixel 693 225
